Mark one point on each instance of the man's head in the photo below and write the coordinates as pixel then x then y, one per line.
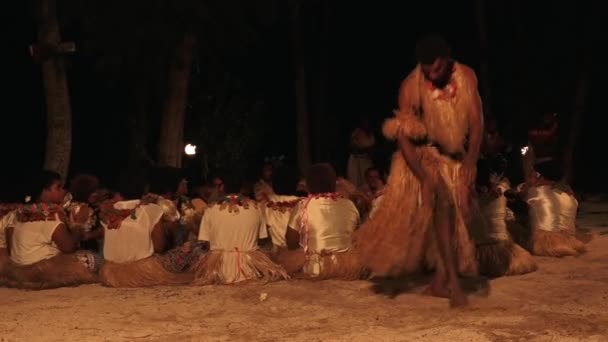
pixel 433 54
pixel 218 184
pixel 267 172
pixel 47 188
pixel 321 178
pixel 83 188
pixel 373 178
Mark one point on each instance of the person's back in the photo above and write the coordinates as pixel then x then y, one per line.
pixel 132 240
pixel 32 242
pixel 327 223
pixel 231 230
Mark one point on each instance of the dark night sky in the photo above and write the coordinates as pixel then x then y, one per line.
pixel 371 51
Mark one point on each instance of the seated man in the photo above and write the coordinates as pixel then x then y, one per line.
pixel 319 234
pixel 552 212
pixel 496 253
pixel 43 240
pixel 232 227
pixel 277 204
pixel 134 230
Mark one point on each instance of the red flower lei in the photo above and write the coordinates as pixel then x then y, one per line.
pixel 282 206
pixel 41 212
pixel 232 202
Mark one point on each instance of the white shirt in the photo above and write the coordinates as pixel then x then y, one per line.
pixel 132 241
pixel 33 242
pixel 234 234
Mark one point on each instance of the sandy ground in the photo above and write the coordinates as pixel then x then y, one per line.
pixel 566 300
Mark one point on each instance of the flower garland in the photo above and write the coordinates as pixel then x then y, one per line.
pixel 234 201
pixel 282 206
pixel 113 217
pixel 41 212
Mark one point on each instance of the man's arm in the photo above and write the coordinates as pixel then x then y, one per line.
pixel 159 237
pixel 66 241
pixel 407 105
pixel 292 238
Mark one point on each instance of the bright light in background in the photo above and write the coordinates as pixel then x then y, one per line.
pixel 524 150
pixel 190 149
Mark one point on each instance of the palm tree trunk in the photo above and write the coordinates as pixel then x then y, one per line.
pixel 174 113
pixel 59 113
pixel 575 125
pixel 302 120
pixel 321 118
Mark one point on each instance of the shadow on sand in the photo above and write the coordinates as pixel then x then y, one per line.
pixel 393 287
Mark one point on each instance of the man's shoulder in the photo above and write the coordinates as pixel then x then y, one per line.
pixel 467 71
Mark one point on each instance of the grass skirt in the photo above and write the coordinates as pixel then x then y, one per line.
pixel 209 269
pixel 59 271
pixel 400 238
pixel 504 258
pixel 556 244
pixel 142 273
pixel 345 265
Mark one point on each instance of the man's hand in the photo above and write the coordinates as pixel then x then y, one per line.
pixel 468 172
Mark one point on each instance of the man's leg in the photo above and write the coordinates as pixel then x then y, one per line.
pixel 444 233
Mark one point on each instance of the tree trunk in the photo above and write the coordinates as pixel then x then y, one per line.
pixel 59 113
pixel 321 121
pixel 302 120
pixel 482 29
pixel 138 151
pixel 575 125
pixel 174 113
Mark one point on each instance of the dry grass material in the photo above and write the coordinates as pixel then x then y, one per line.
pixel 504 258
pixel 141 273
pixel 292 261
pixel 522 261
pixel 342 266
pixel 394 240
pixel 60 271
pixel 556 244
pixel 208 271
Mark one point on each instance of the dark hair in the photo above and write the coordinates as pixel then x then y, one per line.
pixel 321 178
pixel 44 180
pixel 232 184
pixel 82 186
pixel 164 179
pixel 284 181
pixel 133 183
pixel 550 170
pixel 431 47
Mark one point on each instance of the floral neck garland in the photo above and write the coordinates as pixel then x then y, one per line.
pixel 41 212
pixel 282 206
pixel 234 201
pixel 113 217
